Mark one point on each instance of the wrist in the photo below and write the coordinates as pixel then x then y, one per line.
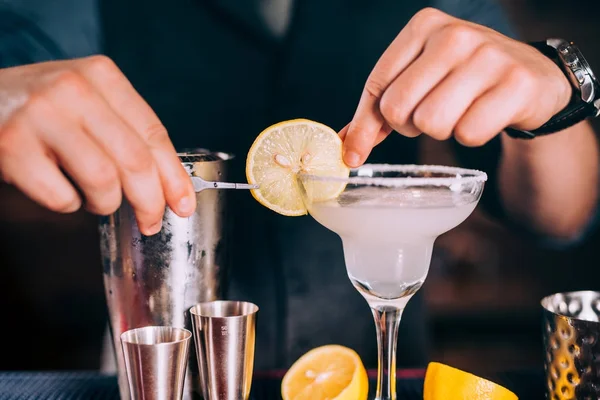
pixel 519 151
pixel 564 91
pixel 584 101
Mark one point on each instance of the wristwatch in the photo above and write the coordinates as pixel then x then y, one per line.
pixel 585 101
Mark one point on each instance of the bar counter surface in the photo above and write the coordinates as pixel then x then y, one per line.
pixel 527 384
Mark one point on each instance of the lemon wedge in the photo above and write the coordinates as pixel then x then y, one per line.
pixel 329 372
pixel 447 383
pixel 286 149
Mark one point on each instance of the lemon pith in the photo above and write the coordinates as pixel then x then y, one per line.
pixel 329 372
pixel 286 149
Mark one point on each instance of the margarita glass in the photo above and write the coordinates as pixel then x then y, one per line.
pixel 388 217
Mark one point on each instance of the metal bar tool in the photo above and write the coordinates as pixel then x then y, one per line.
pixel 156 359
pixel 224 335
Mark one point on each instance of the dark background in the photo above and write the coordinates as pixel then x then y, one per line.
pixel 483 302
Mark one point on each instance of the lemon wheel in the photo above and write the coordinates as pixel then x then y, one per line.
pixel 286 149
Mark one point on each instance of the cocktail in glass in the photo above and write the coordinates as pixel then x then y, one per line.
pixel 388 217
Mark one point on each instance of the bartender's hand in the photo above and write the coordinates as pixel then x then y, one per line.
pixel 76 132
pixel 442 76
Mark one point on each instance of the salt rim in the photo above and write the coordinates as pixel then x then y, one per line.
pixel 475 176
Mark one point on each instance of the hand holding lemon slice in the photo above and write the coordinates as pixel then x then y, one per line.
pixel 284 150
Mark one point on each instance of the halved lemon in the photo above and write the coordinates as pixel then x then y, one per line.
pixel 447 383
pixel 329 372
pixel 288 148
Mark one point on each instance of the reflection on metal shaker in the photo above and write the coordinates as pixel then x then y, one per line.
pixel 154 280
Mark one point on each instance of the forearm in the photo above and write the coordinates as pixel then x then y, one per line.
pixel 550 185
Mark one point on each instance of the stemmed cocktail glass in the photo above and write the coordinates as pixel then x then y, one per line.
pixel 388 217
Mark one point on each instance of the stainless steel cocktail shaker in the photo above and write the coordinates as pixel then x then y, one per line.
pixel 154 280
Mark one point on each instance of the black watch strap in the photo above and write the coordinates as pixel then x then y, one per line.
pixel 545 49
pixel 576 111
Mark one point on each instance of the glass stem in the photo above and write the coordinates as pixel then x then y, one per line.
pixel 387 321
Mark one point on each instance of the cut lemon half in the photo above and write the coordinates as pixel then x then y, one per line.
pixel 447 383
pixel 329 372
pixel 284 150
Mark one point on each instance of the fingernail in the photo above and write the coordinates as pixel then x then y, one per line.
pixel 74 206
pixel 352 159
pixel 185 205
pixel 155 228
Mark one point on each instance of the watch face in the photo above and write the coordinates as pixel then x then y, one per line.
pixel 589 69
pixel 580 61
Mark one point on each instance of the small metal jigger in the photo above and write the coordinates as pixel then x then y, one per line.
pixel 224 335
pixel 156 361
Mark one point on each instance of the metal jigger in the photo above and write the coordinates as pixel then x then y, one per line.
pixel 156 361
pixel 572 345
pixel 224 335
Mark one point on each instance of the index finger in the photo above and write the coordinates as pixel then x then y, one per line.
pixel 368 122
pixel 122 97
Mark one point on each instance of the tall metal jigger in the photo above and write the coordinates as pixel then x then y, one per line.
pixel 224 337
pixel 156 360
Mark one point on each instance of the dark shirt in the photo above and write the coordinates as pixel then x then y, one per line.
pixel 216 77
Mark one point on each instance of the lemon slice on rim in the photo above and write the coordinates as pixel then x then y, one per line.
pixel 286 149
pixel 329 372
pixel 447 383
